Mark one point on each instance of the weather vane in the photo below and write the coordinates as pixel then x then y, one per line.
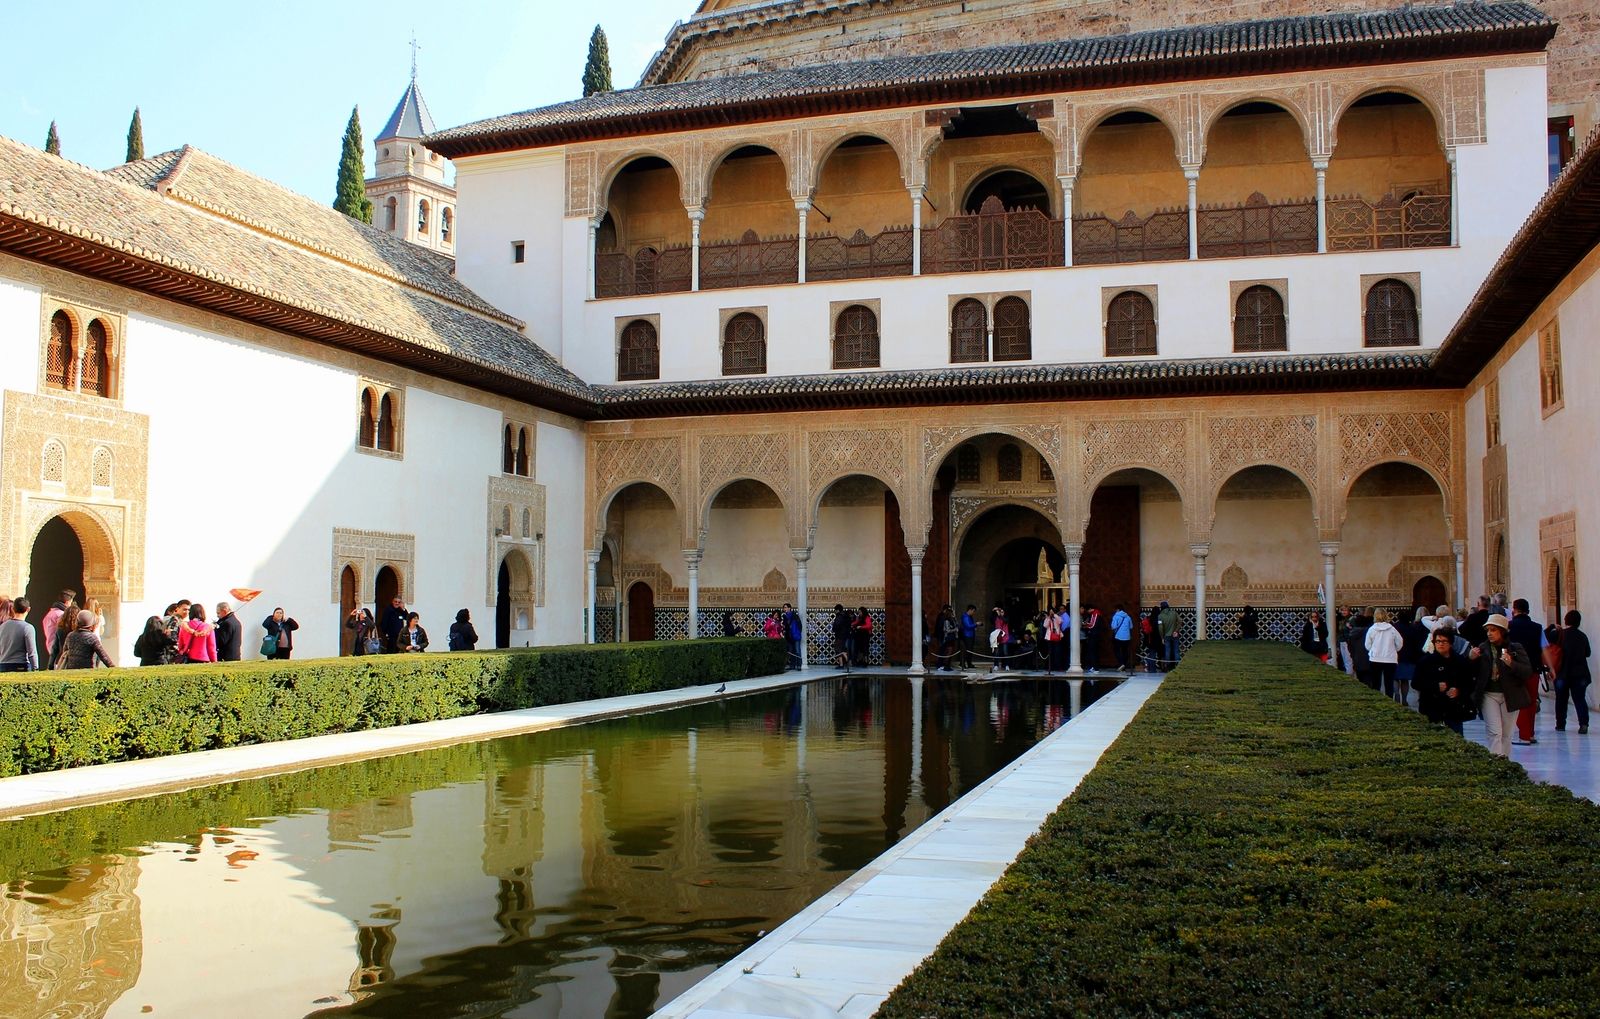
pixel 414 48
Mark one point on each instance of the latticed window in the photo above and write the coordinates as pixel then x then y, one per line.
pixel 1008 463
pixel 1491 413
pixel 95 374
pixel 53 462
pixel 367 430
pixel 855 338
pixel 1551 396
pixel 638 352
pixel 522 452
pixel 386 422
pixel 1013 334
pixel 1391 315
pixel 744 346
pixel 1258 322
pixel 968 463
pixel 969 332
pixel 58 355
pixel 1130 325
pixel 100 466
pixel 508 453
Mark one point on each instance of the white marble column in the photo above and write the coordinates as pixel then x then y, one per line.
pixel 594 230
pixel 691 558
pixel 802 208
pixel 1330 614
pixel 1458 548
pixel 1074 698
pixel 1321 167
pixel 697 215
pixel 1074 607
pixel 1192 175
pixel 801 557
pixel 917 192
pixel 1199 552
pixel 1455 206
pixel 1067 184
pixel 916 552
pixel 593 558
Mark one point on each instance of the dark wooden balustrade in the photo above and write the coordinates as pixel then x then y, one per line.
pixel 993 239
pixel 1258 227
pixel 1411 220
pixel 1162 236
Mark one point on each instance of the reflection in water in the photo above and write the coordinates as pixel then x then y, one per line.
pixel 601 869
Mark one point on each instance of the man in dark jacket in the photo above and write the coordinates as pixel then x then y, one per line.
pixel 1360 623
pixel 1471 628
pixel 1530 635
pixel 393 621
pixel 229 633
pixel 1501 689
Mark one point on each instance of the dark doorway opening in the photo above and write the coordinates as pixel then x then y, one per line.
pixel 348 601
pixel 1428 593
pixel 502 606
pixel 386 588
pixel 641 612
pixel 55 565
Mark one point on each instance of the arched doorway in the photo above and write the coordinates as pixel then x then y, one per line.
pixel 1428 594
pixel 386 588
pixel 513 597
pixel 641 612
pixel 502 606
pixel 348 600
pixel 1134 541
pixel 1010 557
pixel 72 552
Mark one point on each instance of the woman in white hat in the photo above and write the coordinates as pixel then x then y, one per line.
pixel 1502 687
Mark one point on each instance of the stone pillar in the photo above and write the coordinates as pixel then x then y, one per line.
pixel 1074 698
pixel 916 552
pixel 1321 166
pixel 1330 615
pixel 802 208
pixel 917 191
pixel 1192 175
pixel 1074 604
pixel 697 215
pixel 1067 184
pixel 801 557
pixel 1455 206
pixel 1199 552
pixel 594 230
pixel 1459 549
pixel 692 557
pixel 593 558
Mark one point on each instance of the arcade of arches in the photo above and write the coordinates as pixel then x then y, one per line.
pixel 1209 504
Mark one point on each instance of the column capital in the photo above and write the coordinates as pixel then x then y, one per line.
pixel 592 556
pixel 801 555
pixel 1200 549
pixel 1458 547
pixel 917 190
pixel 803 204
pixel 1330 549
pixel 916 552
pixel 1067 180
pixel 692 557
pixel 696 212
pixel 1074 550
pixel 1191 172
pixel 1320 164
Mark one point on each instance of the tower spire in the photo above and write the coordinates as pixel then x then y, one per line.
pixel 414 48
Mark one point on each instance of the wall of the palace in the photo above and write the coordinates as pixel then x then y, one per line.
pixel 253 466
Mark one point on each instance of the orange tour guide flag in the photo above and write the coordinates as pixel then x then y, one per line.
pixel 244 594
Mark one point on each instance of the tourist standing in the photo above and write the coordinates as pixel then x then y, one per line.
pixel 393 621
pixel 197 639
pixel 155 645
pixel 80 649
pixel 19 649
pixel 969 634
pixel 413 639
pixel 1530 635
pixel 842 627
pixel 1249 625
pixel 1000 640
pixel 863 636
pixel 1471 626
pixel 1167 626
pixel 730 626
pixel 771 628
pixel 53 628
pixel 464 636
pixel 230 634
pixel 1445 682
pixel 793 632
pixel 1054 639
pixel 1314 636
pixel 1122 636
pixel 280 629
pixel 949 638
pixel 1572 682
pixel 1357 641
pixel 1382 645
pixel 1092 629
pixel 1501 686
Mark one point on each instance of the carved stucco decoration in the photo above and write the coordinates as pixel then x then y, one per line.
pixel 1298 100
pixel 1421 438
pixel 938 442
pixel 626 459
pixel 875 452
pixel 521 496
pixel 368 552
pixel 725 458
pixel 900 131
pixel 1157 444
pixel 1282 440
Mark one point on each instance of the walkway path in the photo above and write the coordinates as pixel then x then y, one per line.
pixel 845 952
pixel 1560 758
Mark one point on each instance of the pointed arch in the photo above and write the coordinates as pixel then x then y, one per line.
pixel 60 350
pixel 94 376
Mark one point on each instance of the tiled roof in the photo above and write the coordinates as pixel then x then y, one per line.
pixel 50 207
pixel 1562 230
pixel 1005 383
pixel 1261 46
pixel 410 118
pixel 198 178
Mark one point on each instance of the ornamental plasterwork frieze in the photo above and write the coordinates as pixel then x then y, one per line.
pixel 524 500
pixel 1157 444
pixel 1283 440
pixel 875 452
pixel 1421 438
pixel 725 458
pixel 368 552
pixel 622 461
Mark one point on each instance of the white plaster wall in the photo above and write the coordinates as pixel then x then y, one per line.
pixel 743 544
pixel 19 324
pixel 1273 540
pixel 1380 531
pixel 559 466
pixel 1477 445
pixel 849 548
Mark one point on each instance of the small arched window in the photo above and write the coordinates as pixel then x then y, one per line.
pixel 1008 463
pixel 638 352
pixel 968 462
pixel 391 215
pixel 1130 325
pixel 422 218
pixel 101 468
pixel 744 345
pixel 447 218
pixel 522 452
pixel 1013 333
pixel 969 332
pixel 508 454
pixel 53 463
pixel 1391 319
pixel 367 430
pixel 505 520
pixel 855 338
pixel 95 374
pixel 527 523
pixel 386 422
pixel 1258 322
pixel 58 358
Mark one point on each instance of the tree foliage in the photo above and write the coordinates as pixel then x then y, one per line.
pixel 597 71
pixel 135 138
pixel 350 195
pixel 52 141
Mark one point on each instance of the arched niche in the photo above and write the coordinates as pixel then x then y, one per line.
pixel 744 533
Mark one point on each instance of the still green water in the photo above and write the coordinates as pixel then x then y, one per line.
pixel 598 870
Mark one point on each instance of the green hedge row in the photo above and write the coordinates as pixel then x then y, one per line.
pixel 1268 837
pixel 69 719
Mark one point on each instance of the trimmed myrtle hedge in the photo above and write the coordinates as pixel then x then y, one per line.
pixel 1269 837
pixel 68 719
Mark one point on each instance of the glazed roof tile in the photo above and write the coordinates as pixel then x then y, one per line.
pixel 1166 54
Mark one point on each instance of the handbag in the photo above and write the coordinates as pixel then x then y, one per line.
pixel 269 645
pixel 374 646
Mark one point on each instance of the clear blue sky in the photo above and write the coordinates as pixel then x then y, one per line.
pixel 269 86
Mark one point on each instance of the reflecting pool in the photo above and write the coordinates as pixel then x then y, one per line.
pixel 598 870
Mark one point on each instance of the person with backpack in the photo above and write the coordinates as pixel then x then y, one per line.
pixel 793 633
pixel 969 633
pixel 463 636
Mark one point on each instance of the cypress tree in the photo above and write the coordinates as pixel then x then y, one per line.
pixel 597 72
pixel 52 141
pixel 135 138
pixel 350 196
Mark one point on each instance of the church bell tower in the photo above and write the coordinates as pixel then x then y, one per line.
pixel 410 194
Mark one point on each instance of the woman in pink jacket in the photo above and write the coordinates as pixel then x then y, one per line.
pixel 197 639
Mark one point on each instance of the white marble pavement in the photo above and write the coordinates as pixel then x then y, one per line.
pixel 843 954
